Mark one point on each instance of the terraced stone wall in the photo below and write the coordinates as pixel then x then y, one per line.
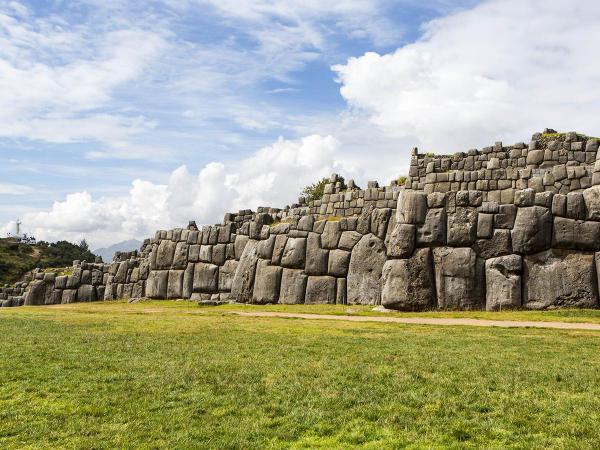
pixel 488 229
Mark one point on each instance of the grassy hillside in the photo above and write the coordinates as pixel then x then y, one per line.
pixel 16 258
pixel 172 375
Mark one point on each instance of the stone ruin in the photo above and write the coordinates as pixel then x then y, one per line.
pixel 500 227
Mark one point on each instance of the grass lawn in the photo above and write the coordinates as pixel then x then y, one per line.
pixel 157 375
pixel 557 315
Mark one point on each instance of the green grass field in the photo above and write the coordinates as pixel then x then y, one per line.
pixel 173 375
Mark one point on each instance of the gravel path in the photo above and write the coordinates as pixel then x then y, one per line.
pixel 430 321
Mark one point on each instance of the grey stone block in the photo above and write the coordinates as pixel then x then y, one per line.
pixel 402 241
pixel 175 284
pixel 316 257
pixel 524 197
pixel 320 289
pixel 206 278
pixel 293 286
pixel 576 234
pixel 294 253
pixel 408 284
pixel 180 258
pixel 164 255
pixel 379 221
pixel 560 278
pixel 331 235
pixel 505 219
pixel 485 225
pixel 462 227
pixel 503 282
pixel 575 205
pixel 278 248
pixel 433 230
pixel 366 264
pixel 339 261
pixel 243 280
pixel 349 239
pixel 156 285
pixel 266 283
pixel 226 274
pixel 460 278
pixel 412 207
pixel 591 197
pixel 532 231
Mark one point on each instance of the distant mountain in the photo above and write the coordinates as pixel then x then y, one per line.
pixel 107 253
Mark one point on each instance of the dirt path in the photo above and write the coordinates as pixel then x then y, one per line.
pixel 430 321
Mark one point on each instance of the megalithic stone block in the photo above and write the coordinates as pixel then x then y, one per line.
pixel 460 278
pixel 560 278
pixel 503 282
pixel 411 207
pixel 364 274
pixel 408 284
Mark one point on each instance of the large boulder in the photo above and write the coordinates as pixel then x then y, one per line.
pixel 532 231
pixel 293 286
pixel 379 221
pixel 500 244
pixel 433 231
pixel 591 197
pixel 37 293
pixel 226 274
pixel 265 248
pixel 156 285
pixel 339 261
pixel 187 287
pixel 460 278
pixel 320 289
pixel 503 282
pixel 239 245
pixel 86 293
pixel 331 235
pixel 267 283
pixel 411 207
pixel 120 275
pixel 364 273
pixel 278 248
pixel 164 255
pixel 316 257
pixel 401 242
pixel 175 284
pixel 560 278
pixel 408 284
pixel 242 285
pixel 349 239
pixel 70 296
pixel 462 227
pixel 206 278
pixel 180 258
pixel 576 234
pixel 294 253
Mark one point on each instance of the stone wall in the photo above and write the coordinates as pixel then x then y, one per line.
pixel 550 162
pixel 515 226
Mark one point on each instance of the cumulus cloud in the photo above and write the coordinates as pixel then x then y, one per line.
pixel 502 69
pixel 274 175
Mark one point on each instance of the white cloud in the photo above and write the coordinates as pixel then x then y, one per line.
pixel 501 70
pixel 55 76
pixel 311 21
pixel 272 176
pixel 15 189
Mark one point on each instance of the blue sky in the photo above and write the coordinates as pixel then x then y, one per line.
pixel 119 117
